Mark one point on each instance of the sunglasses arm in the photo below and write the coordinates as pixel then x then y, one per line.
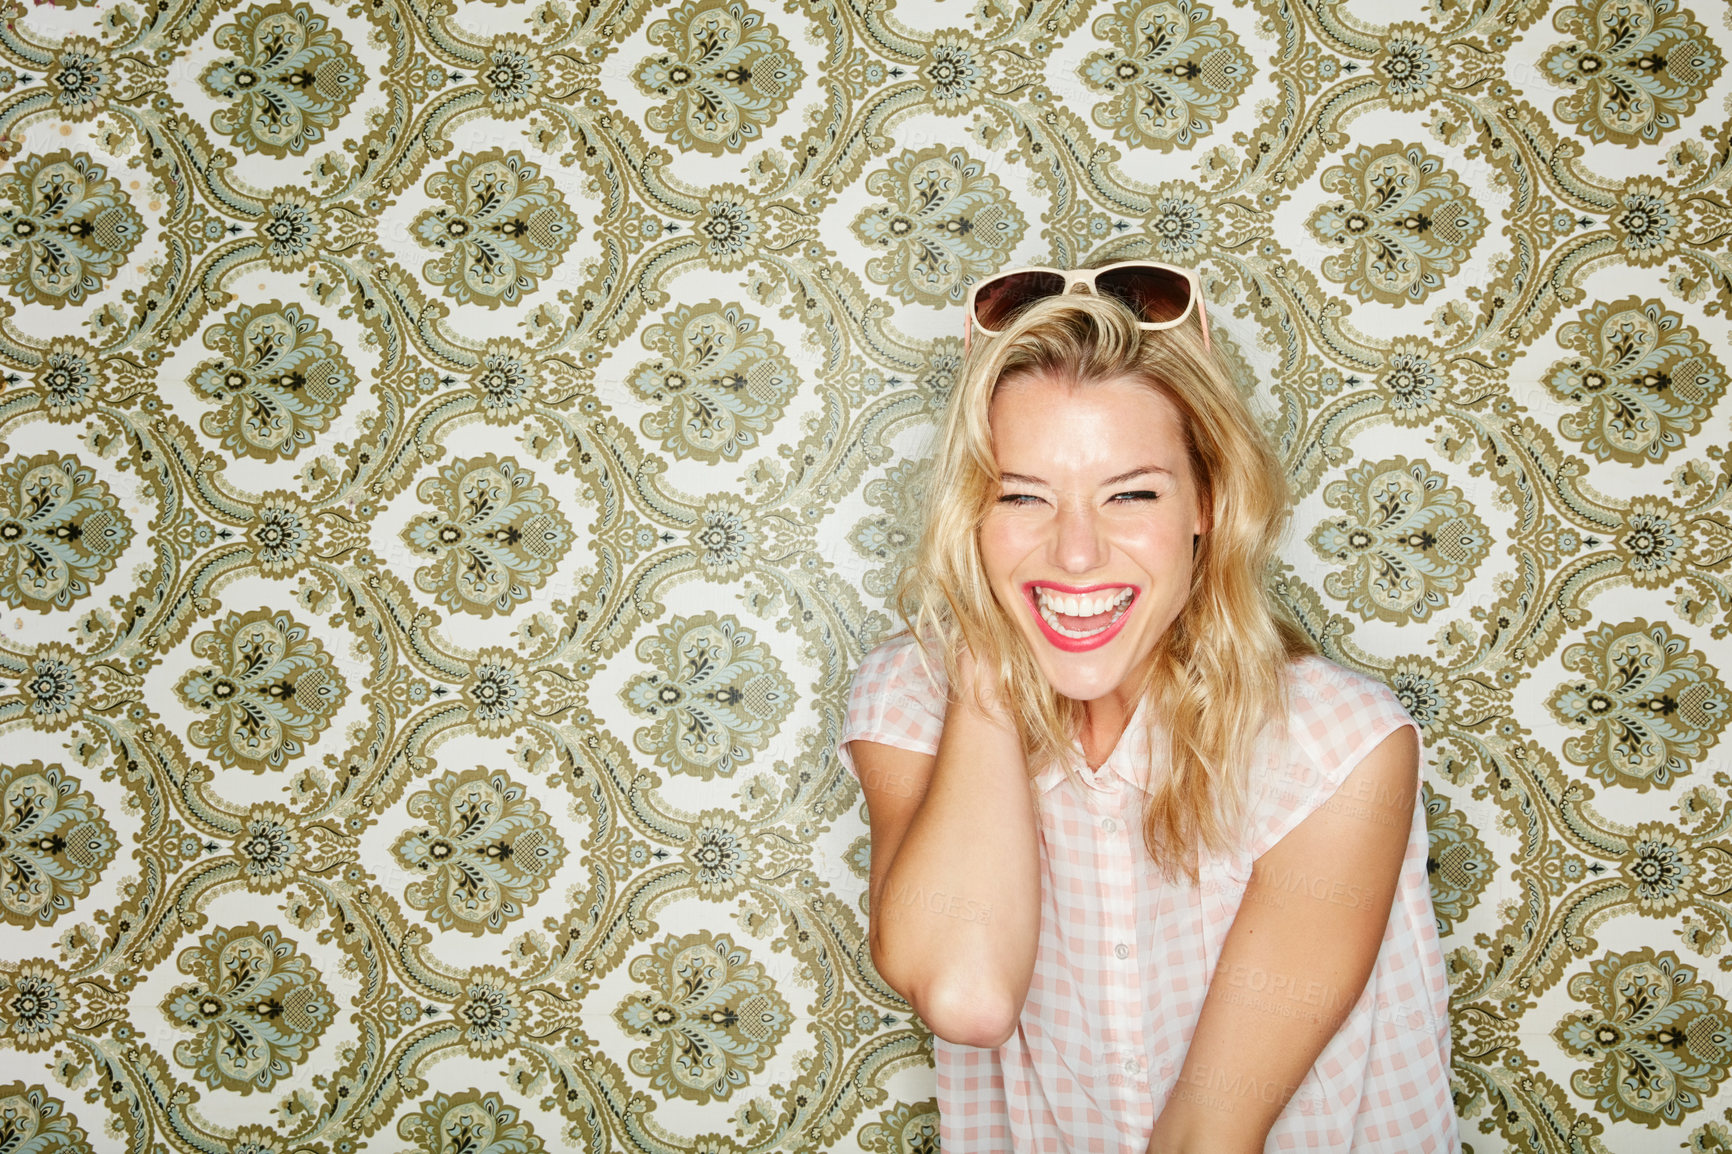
pixel 1202 321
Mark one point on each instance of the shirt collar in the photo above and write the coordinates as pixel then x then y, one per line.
pixel 1128 762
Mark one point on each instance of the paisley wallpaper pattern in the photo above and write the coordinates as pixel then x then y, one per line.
pixel 453 456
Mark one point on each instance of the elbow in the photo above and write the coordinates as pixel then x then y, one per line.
pixel 970 1013
pixel 960 1008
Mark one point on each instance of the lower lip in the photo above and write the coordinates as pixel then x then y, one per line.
pixel 1076 644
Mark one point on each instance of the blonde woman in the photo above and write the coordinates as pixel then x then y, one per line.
pixel 1151 870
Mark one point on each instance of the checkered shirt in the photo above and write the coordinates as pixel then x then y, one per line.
pixel 1125 956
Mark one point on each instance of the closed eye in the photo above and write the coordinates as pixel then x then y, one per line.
pixel 1137 495
pixel 1018 499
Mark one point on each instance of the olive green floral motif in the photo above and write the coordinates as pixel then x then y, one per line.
pixel 909 1128
pixel 54 843
pixel 716 693
pixel 955 72
pixel 1180 222
pixel 69 379
pixel 55 684
pixel 730 229
pixel 1660 867
pixel 948 223
pixel 36 1006
pixel 937 376
pixel 1656 1034
pixel 1653 544
pixel 1410 66
pixel 60 531
pixel 1408 540
pixel 291 229
pixel 720 854
pixel 502 227
pixel 724 538
pixel 291 78
pixel 1634 70
pixel 1173 72
pixel 1457 863
pixel 721 381
pixel 888 537
pixel 81 78
pixel 498 692
pixel 490 1011
pixel 1403 223
pixel 279 379
pixel 507 380
pixel 712 1017
pixel 512 76
pixel 1647 223
pixel 496 536
pixel 484 853
pixel 1648 704
pixel 1419 685
pixel 1413 382
pixel 281 533
pixel 268 848
pixel 256 1007
pixel 724 75
pixel 32 1122
pixel 1643 378
pixel 270 689
pixel 65 229
pixel 1709 1138
pixel 469 1123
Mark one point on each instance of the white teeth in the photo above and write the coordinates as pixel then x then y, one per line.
pixel 1052 603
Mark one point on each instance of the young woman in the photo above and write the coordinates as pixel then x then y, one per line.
pixel 1151 871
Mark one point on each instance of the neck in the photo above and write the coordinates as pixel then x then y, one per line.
pixel 1104 721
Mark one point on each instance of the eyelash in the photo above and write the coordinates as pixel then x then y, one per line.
pixel 1134 494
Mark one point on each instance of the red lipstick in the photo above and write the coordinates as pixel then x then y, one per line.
pixel 1076 644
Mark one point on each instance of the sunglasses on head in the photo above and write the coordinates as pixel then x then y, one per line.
pixel 1161 295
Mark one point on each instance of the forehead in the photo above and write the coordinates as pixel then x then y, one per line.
pixel 1038 418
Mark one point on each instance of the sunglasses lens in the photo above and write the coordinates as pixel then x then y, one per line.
pixel 1157 295
pixel 998 300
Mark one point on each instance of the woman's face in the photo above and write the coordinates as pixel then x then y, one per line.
pixel 1088 546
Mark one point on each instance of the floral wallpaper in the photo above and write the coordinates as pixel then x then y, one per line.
pixel 454 454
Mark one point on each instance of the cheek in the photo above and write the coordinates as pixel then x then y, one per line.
pixel 1167 560
pixel 999 548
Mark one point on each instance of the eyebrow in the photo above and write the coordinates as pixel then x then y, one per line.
pixel 1023 479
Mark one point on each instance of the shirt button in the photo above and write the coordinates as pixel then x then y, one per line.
pixel 1122 950
pixel 1132 1066
pixel 1109 825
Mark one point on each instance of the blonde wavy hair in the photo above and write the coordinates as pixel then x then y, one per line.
pixel 1218 674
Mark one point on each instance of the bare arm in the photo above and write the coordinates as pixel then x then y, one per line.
pixel 1296 960
pixel 955 884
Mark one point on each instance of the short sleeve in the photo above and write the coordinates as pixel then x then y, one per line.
pixel 1335 719
pixel 894 701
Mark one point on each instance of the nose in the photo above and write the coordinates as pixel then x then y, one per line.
pixel 1078 544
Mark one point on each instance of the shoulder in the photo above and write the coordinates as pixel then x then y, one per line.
pixel 1340 712
pixel 897 698
pixel 1335 718
pixel 896 666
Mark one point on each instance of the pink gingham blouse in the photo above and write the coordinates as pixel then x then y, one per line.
pixel 1126 957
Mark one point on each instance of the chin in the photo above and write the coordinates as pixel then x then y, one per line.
pixel 1080 681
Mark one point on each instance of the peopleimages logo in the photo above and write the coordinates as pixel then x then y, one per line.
pixel 938 902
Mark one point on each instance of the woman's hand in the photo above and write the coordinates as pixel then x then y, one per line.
pixel 977 689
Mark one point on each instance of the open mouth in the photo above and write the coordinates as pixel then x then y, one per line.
pixel 1080 618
